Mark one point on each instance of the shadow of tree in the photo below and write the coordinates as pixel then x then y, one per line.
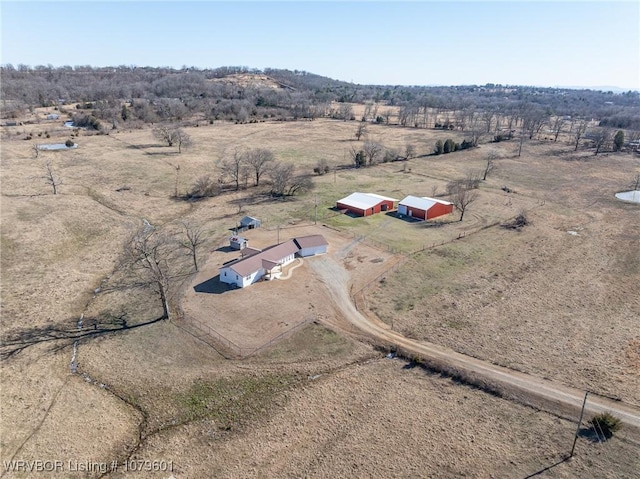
pixel 62 336
pixel 548 468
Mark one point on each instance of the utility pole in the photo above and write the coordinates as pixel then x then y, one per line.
pixel 278 233
pixel 575 439
pixel 315 219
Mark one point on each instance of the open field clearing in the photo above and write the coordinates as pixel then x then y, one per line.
pixel 559 298
pixel 379 419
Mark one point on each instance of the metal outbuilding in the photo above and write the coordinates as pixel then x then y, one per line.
pixel 249 223
pixel 423 208
pixel 365 204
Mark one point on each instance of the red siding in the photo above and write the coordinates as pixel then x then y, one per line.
pixel 438 210
pixel 353 210
pixel 376 209
pixel 416 213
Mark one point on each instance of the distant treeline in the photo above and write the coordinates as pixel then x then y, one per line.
pixel 155 94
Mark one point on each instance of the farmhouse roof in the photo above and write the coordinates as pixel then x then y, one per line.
pixel 310 241
pixel 363 201
pixel 249 251
pixel 422 203
pixel 251 264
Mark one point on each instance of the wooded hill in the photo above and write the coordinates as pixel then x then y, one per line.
pixel 145 94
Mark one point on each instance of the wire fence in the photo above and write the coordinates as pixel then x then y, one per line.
pixel 226 347
pixel 358 296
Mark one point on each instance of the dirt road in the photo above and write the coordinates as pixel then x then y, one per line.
pixel 536 391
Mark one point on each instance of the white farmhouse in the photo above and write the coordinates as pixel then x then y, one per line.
pixel 255 264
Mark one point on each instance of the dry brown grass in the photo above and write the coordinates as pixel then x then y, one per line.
pixel 559 290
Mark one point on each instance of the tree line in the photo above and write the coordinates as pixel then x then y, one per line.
pixel 161 94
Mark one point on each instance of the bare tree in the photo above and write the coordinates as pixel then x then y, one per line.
pixel 490 165
pixel 166 134
pixel 635 184
pixel 533 121
pixel 149 255
pixel 557 125
pixel 36 150
pixel 281 175
pixel 521 139
pixel 234 167
pixel 410 151
pixel 387 115
pixel 372 151
pixel 285 182
pixel 462 197
pixel 204 186
pixel 177 182
pixel 361 130
pixel 193 238
pixel 368 107
pixel 182 139
pixel 345 112
pixel 258 161
pixel 477 131
pixel 51 178
pixel 578 132
pixel 601 137
pixel 357 156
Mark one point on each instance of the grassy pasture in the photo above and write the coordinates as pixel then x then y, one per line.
pixel 540 300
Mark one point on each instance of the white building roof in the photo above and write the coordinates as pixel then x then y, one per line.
pixel 363 201
pixel 423 203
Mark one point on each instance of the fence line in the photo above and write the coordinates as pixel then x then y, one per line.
pixel 207 334
pixel 405 257
pixel 283 335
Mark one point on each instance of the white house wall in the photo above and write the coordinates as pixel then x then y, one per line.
pixel 311 251
pixel 252 278
pixel 227 275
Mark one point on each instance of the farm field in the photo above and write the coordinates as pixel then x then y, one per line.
pixel 559 299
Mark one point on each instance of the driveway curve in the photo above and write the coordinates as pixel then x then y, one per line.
pixel 548 395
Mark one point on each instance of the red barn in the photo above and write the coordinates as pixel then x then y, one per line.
pixel 365 204
pixel 424 208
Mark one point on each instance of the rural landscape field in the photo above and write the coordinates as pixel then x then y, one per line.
pixel 117 367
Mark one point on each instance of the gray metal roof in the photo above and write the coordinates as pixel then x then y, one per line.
pixel 422 203
pixel 364 201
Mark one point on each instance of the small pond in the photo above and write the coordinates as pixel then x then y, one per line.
pixel 56 146
pixel 632 196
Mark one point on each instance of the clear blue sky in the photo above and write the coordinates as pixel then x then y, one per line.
pixel 408 43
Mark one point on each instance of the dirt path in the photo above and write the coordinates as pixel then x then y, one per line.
pixel 299 262
pixel 536 391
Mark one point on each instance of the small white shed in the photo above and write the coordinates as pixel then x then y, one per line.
pixel 238 242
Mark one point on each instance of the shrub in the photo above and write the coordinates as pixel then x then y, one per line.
pixel 390 155
pixel 439 149
pixel 321 167
pixel 605 424
pixel 69 143
pixel 449 146
pixel 204 187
